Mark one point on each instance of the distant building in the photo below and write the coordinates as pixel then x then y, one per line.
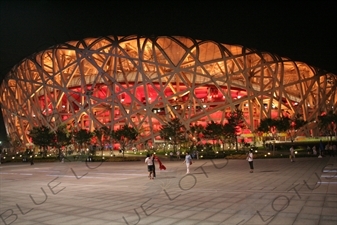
pixel 144 81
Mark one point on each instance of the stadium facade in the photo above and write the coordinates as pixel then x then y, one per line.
pixel 144 81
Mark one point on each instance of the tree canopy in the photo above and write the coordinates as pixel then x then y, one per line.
pixel 125 136
pixel 328 123
pixel 173 132
pixel 43 137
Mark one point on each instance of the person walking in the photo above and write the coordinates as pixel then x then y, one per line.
pixel 314 151
pixel 32 158
pixel 308 149
pixel 250 158
pixel 331 152
pixel 178 155
pixel 292 154
pixel 154 157
pixel 161 165
pixel 188 162
pixel 149 163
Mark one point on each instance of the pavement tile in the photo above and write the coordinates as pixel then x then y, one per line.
pixel 278 192
pixel 329 211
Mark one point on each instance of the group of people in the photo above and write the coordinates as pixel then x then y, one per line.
pixel 150 161
pixel 330 149
pixel 193 155
pixel 250 158
pixel 151 168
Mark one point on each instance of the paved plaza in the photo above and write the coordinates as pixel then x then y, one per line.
pixel 217 191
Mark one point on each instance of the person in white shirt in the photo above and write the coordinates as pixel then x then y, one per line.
pixel 188 162
pixel 149 162
pixel 178 155
pixel 314 151
pixel 250 160
pixel 292 154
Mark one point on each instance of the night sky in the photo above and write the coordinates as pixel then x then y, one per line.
pixel 303 31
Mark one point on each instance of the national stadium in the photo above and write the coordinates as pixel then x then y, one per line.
pixel 145 81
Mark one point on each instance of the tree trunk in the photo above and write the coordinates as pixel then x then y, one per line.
pixel 44 151
pixel 59 153
pixel 236 142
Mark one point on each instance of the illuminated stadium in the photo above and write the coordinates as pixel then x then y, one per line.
pixel 144 81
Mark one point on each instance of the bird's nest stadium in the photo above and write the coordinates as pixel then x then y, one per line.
pixel 144 81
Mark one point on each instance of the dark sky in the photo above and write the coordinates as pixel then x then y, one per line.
pixel 303 31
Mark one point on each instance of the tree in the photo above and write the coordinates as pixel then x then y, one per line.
pixel 295 124
pixel 229 134
pixel 213 131
pixel 105 136
pixel 102 134
pixel 43 137
pixel 236 120
pixel 14 141
pixel 283 124
pixel 195 134
pixel 173 132
pixel 267 125
pixel 125 136
pixel 196 131
pixel 328 124
pixel 82 137
pixel 62 137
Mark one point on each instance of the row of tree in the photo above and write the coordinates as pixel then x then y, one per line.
pixel 175 133
pixel 281 125
pixel 44 137
pixel 326 124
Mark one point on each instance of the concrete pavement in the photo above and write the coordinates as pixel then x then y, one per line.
pixel 216 192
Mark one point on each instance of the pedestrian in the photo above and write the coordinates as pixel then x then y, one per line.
pixel 161 165
pixel 149 163
pixel 178 155
pixel 308 149
pixel 188 162
pixel 331 152
pixel 153 156
pixel 32 158
pixel 62 157
pixel 171 155
pixel 292 154
pixel 314 151
pixel 326 149
pixel 250 158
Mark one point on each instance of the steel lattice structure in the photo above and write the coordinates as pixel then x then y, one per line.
pixel 144 81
